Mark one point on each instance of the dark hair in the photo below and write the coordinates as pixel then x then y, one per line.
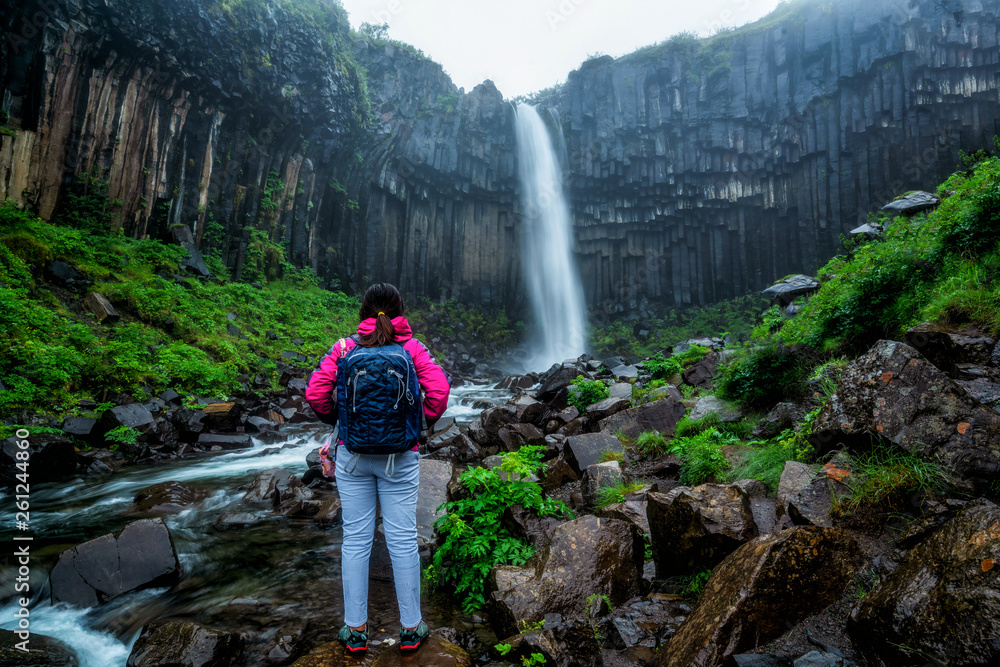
pixel 383 302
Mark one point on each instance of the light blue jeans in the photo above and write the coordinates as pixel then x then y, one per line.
pixel 369 477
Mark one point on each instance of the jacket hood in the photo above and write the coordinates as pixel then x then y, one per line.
pixel 403 331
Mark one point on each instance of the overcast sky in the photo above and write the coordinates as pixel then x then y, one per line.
pixel 527 45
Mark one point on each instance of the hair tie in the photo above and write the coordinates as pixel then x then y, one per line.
pixel 380 313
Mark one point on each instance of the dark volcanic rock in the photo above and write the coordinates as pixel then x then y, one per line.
pixel 759 590
pixel 583 451
pixel 694 528
pixel 42 651
pixel 561 642
pixel 894 393
pixel 585 556
pixel 186 644
pixel 946 347
pixel 702 373
pixel 168 498
pixel 141 556
pixel 50 457
pixel 661 415
pixel 942 601
pixel 912 203
pixel 790 289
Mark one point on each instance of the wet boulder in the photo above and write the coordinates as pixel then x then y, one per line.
pixel 585 450
pixel 598 476
pixel 703 373
pixel 661 415
pixel 806 494
pixel 607 407
pixel 692 528
pixel 946 347
pixel 781 417
pixel 632 511
pixel 913 202
pixel 557 379
pixel 274 486
pixel 894 393
pixel 759 590
pixel 100 307
pixel 133 415
pixel 182 643
pixel 225 441
pixel 41 651
pixel 168 498
pixel 789 289
pixel 562 642
pixel 558 471
pixel 647 622
pixel 528 526
pixel 586 556
pixel 942 603
pixel 140 556
pixel 50 457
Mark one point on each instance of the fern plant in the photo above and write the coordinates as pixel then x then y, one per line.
pixel 474 538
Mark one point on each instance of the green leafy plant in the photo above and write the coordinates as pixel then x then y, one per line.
pixel 762 377
pixel 693 586
pixel 584 393
pixel 661 368
pixel 474 537
pixel 122 435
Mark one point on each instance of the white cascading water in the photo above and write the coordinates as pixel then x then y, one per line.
pixel 547 246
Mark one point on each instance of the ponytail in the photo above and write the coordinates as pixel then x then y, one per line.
pixel 382 302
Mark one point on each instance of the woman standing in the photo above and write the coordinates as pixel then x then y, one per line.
pixel 371 385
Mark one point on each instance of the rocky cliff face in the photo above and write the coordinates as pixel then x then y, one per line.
pixel 697 170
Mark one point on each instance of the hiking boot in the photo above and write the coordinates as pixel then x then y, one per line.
pixel 410 640
pixel 354 640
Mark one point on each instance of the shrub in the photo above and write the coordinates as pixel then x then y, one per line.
pixel 762 377
pixel 29 249
pixel 584 393
pixel 474 537
pixel 662 369
pixel 701 456
pixel 611 455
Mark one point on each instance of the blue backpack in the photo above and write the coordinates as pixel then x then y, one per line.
pixel 378 400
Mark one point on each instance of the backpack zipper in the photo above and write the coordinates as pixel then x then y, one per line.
pixel 354 397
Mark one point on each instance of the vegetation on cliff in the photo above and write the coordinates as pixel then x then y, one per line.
pixel 174 330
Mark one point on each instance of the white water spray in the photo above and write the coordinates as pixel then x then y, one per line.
pixel 547 241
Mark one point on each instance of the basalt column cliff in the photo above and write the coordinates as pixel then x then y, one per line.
pixel 697 169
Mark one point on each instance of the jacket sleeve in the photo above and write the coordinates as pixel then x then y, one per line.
pixel 320 392
pixel 433 380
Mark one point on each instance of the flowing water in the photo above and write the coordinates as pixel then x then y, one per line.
pixel 550 270
pixel 283 569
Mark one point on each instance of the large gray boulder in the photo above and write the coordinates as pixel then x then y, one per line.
pixel 586 556
pixel 661 415
pixel 790 289
pixel 911 203
pixel 181 643
pixel 140 556
pixel 942 603
pixel 761 589
pixel 892 392
pixel 692 528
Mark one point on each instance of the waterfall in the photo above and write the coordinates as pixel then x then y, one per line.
pixel 547 246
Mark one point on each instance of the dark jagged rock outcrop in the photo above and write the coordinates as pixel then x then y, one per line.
pixel 698 170
pixel 943 601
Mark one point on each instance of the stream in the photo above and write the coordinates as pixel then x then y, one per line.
pixel 276 569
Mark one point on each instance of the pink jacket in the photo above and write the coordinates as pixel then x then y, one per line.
pixel 322 389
